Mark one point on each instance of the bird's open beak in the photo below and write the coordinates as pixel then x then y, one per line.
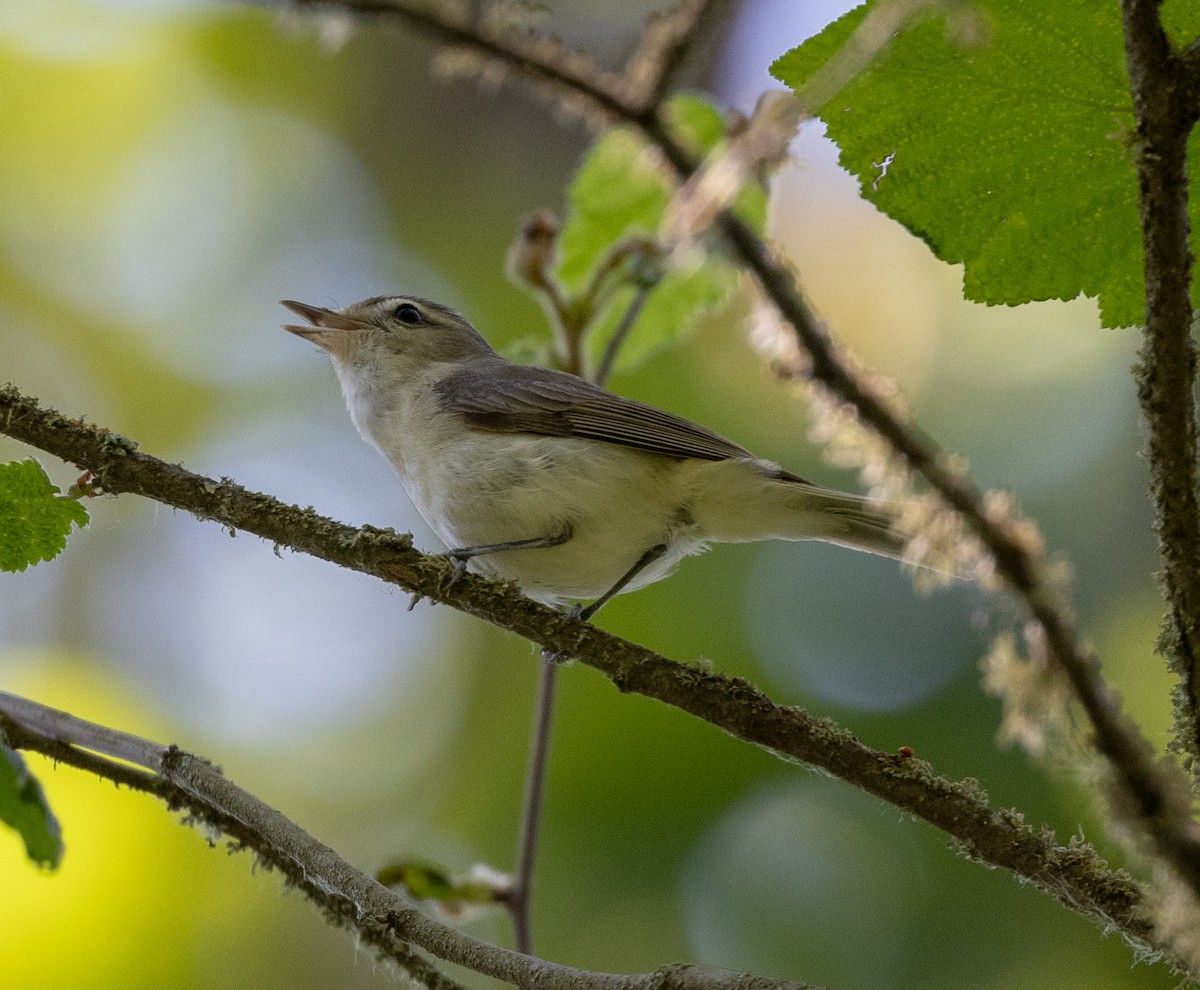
pixel 327 326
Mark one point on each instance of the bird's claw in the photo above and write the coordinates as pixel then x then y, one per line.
pixel 458 567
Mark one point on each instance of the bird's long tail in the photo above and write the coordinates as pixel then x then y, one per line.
pixel 849 521
pixel 744 502
pixel 861 524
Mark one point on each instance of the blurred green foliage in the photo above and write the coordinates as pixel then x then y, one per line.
pixel 620 191
pixel 23 806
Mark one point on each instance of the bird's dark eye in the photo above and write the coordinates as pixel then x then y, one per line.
pixel 409 315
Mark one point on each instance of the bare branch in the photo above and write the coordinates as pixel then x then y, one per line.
pixel 61 727
pixel 608 360
pixel 520 898
pixel 536 58
pixel 379 916
pixel 1075 874
pixel 664 45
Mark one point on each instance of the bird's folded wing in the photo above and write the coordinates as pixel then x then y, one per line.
pixel 510 398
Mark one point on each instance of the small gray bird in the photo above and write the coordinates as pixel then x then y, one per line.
pixel 539 477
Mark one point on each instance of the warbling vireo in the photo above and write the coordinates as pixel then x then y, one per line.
pixel 539 477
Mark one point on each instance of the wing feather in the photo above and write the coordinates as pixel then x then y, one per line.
pixel 494 394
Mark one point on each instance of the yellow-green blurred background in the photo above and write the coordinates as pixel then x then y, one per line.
pixel 168 171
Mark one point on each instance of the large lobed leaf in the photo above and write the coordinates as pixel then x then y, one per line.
pixel 1011 153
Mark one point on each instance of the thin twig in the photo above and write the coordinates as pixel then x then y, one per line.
pixel 531 260
pixel 1076 875
pixel 520 898
pixel 379 916
pixel 664 45
pixel 53 724
pixel 539 58
pixel 609 359
pixel 1166 105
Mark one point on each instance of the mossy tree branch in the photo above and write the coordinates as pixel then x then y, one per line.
pixel 348 897
pixel 1166 101
pixel 1074 874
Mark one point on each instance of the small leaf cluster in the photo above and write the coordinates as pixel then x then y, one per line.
pixel 610 248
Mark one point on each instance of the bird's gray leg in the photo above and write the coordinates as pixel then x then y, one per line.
pixel 585 612
pixel 460 555
pixel 463 554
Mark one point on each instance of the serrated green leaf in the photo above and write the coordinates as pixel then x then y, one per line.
pixel 23 805
pixel 35 519
pixel 674 305
pixel 621 191
pixel 1010 155
pixel 618 191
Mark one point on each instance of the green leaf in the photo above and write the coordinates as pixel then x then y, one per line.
pixel 701 127
pixel 1010 154
pixel 621 190
pixel 35 518
pixel 455 896
pixel 23 806
pixel 528 350
pixel 617 191
pixel 671 309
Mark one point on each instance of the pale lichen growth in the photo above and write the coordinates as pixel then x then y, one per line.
pixel 756 147
pixel 526 51
pixel 515 15
pixel 938 547
pixel 1035 694
pixel 1177 917
pixel 1000 508
pixel 334 28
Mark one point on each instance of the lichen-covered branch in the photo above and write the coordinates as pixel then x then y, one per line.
pixel 1075 874
pixel 665 42
pixel 347 896
pixel 535 57
pixel 1166 104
